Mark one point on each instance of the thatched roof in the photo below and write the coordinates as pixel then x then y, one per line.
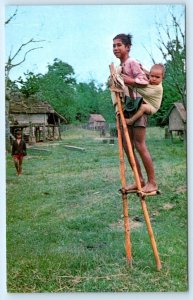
pixel 96 118
pixel 30 108
pixel 180 109
pixel 32 105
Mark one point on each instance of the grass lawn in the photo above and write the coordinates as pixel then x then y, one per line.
pixel 65 221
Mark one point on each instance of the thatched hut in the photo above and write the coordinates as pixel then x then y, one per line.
pixel 96 122
pixel 176 119
pixel 37 119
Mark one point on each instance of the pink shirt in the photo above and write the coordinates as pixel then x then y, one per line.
pixel 132 68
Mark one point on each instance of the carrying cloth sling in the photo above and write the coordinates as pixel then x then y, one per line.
pixel 131 103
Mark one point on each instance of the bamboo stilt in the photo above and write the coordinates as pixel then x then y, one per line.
pixel 150 232
pixel 138 183
pixel 124 195
pixel 135 173
pixel 128 143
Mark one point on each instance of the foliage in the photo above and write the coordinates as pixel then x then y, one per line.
pixel 12 86
pixel 57 87
pixel 75 101
pixel 105 105
pixel 92 99
pixel 31 84
pixel 171 43
pixel 86 100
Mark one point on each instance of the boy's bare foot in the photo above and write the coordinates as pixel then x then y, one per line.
pixel 150 187
pixel 133 187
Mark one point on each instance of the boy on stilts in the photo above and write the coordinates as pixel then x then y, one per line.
pixel 137 81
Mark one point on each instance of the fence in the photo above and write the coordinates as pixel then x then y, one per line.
pixel 64 127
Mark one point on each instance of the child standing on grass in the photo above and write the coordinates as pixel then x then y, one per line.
pixel 18 152
pixel 133 74
pixel 152 94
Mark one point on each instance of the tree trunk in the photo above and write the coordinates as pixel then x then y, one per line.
pixel 7 128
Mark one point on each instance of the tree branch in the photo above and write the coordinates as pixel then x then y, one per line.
pixel 150 54
pixel 14 65
pixel 9 20
pixel 9 65
pixel 24 44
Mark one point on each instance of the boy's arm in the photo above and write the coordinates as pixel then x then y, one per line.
pixel 134 81
pixel 13 149
pixel 24 148
pixel 137 76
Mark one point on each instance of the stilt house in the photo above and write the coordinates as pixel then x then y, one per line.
pixel 96 122
pixel 37 120
pixel 176 119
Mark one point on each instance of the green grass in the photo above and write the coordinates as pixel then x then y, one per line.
pixel 65 223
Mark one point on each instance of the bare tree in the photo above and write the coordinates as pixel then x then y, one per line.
pixel 173 49
pixel 11 63
pixel 171 43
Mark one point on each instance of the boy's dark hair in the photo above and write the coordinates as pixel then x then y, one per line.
pixel 125 38
pixel 18 132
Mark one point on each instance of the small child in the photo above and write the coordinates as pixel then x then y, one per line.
pixel 18 152
pixel 151 93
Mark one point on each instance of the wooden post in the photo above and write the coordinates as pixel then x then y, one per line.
pixel 59 130
pixel 30 133
pixel 53 130
pixel 44 132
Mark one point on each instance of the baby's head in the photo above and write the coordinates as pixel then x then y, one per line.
pixel 156 74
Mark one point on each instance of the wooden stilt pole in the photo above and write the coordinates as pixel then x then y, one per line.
pixel 124 195
pixel 138 183
pixel 136 176
pixel 150 232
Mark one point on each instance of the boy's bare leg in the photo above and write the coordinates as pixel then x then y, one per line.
pixel 133 186
pixel 20 169
pixel 20 166
pixel 144 109
pixel 16 163
pixel 140 145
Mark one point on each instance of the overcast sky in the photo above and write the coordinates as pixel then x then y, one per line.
pixel 81 35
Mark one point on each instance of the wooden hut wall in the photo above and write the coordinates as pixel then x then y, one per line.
pixel 175 121
pixel 33 118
